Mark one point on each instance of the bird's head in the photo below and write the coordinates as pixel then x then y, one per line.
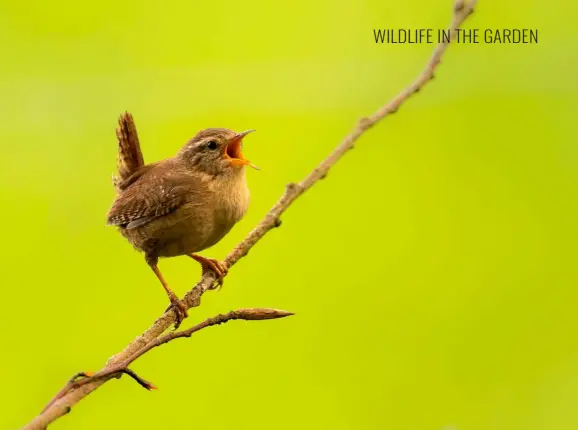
pixel 216 151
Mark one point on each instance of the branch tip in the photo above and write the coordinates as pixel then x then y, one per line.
pixel 80 375
pixel 142 382
pixel 261 314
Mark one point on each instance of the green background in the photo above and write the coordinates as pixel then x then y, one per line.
pixel 433 273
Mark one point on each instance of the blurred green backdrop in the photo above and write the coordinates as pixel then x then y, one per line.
pixel 433 274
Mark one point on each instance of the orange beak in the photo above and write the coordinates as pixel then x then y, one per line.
pixel 233 150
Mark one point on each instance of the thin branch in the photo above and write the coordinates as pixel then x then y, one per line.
pixel 462 9
pixel 252 314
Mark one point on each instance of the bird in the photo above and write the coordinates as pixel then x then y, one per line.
pixel 181 205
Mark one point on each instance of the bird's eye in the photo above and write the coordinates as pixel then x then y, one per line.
pixel 212 145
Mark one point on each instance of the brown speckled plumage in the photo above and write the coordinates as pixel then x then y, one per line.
pixel 181 205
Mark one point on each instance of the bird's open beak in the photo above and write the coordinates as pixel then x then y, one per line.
pixel 233 150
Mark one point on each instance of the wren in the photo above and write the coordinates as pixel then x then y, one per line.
pixel 180 205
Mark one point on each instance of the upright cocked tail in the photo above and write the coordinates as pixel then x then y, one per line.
pixel 130 157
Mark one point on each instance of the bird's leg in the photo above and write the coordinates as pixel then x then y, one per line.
pixel 211 264
pixel 178 305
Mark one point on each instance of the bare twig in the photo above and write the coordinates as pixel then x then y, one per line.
pixel 60 407
pixel 252 314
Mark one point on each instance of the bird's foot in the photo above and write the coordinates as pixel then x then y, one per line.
pixel 180 309
pixel 210 264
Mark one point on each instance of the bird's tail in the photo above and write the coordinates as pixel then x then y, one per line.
pixel 129 158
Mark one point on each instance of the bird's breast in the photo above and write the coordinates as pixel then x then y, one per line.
pixel 232 203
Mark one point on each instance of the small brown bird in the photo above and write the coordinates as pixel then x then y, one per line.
pixel 181 205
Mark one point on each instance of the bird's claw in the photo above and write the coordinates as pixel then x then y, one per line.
pixel 180 310
pixel 220 271
pixel 210 264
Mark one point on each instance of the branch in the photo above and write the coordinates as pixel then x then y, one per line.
pixel 254 314
pixel 62 405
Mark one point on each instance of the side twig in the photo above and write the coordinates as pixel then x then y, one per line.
pixel 252 314
pixel 62 405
